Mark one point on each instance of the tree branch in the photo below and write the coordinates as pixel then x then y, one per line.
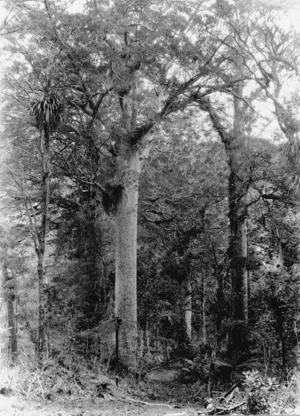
pixel 274 197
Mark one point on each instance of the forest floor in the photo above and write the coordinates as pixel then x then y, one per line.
pixel 167 401
pixel 171 401
pixel 152 398
pixel 99 407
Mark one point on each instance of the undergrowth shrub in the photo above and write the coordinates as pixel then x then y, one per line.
pixel 54 381
pixel 265 395
pixel 258 390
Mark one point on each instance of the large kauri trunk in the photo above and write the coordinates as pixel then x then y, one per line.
pixel 125 260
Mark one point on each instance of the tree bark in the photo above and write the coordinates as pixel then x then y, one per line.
pixel 41 335
pixel 221 304
pixel 125 267
pixel 129 165
pixel 239 289
pixel 204 333
pixel 41 248
pixel 12 325
pixel 238 248
pixel 8 323
pixel 10 284
pixel 100 263
pixel 188 303
pixel 238 183
pixel 4 337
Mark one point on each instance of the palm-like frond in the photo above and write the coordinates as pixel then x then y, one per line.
pixel 47 112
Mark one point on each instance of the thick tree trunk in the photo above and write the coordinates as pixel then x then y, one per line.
pixel 129 169
pixel 126 298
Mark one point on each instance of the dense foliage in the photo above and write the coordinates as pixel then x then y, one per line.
pixel 191 105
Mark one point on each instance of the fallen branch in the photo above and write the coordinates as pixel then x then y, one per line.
pixel 235 406
pixel 219 410
pixel 145 403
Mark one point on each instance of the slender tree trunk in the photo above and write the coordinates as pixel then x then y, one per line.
pixel 12 325
pixel 8 322
pixel 100 265
pixel 4 335
pixel 45 152
pixel 249 276
pixel 239 289
pixel 10 286
pixel 245 276
pixel 238 250
pixel 239 271
pixel 280 257
pixel 41 310
pixel 147 337
pixel 204 333
pixel 238 181
pixel 188 303
pixel 221 303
